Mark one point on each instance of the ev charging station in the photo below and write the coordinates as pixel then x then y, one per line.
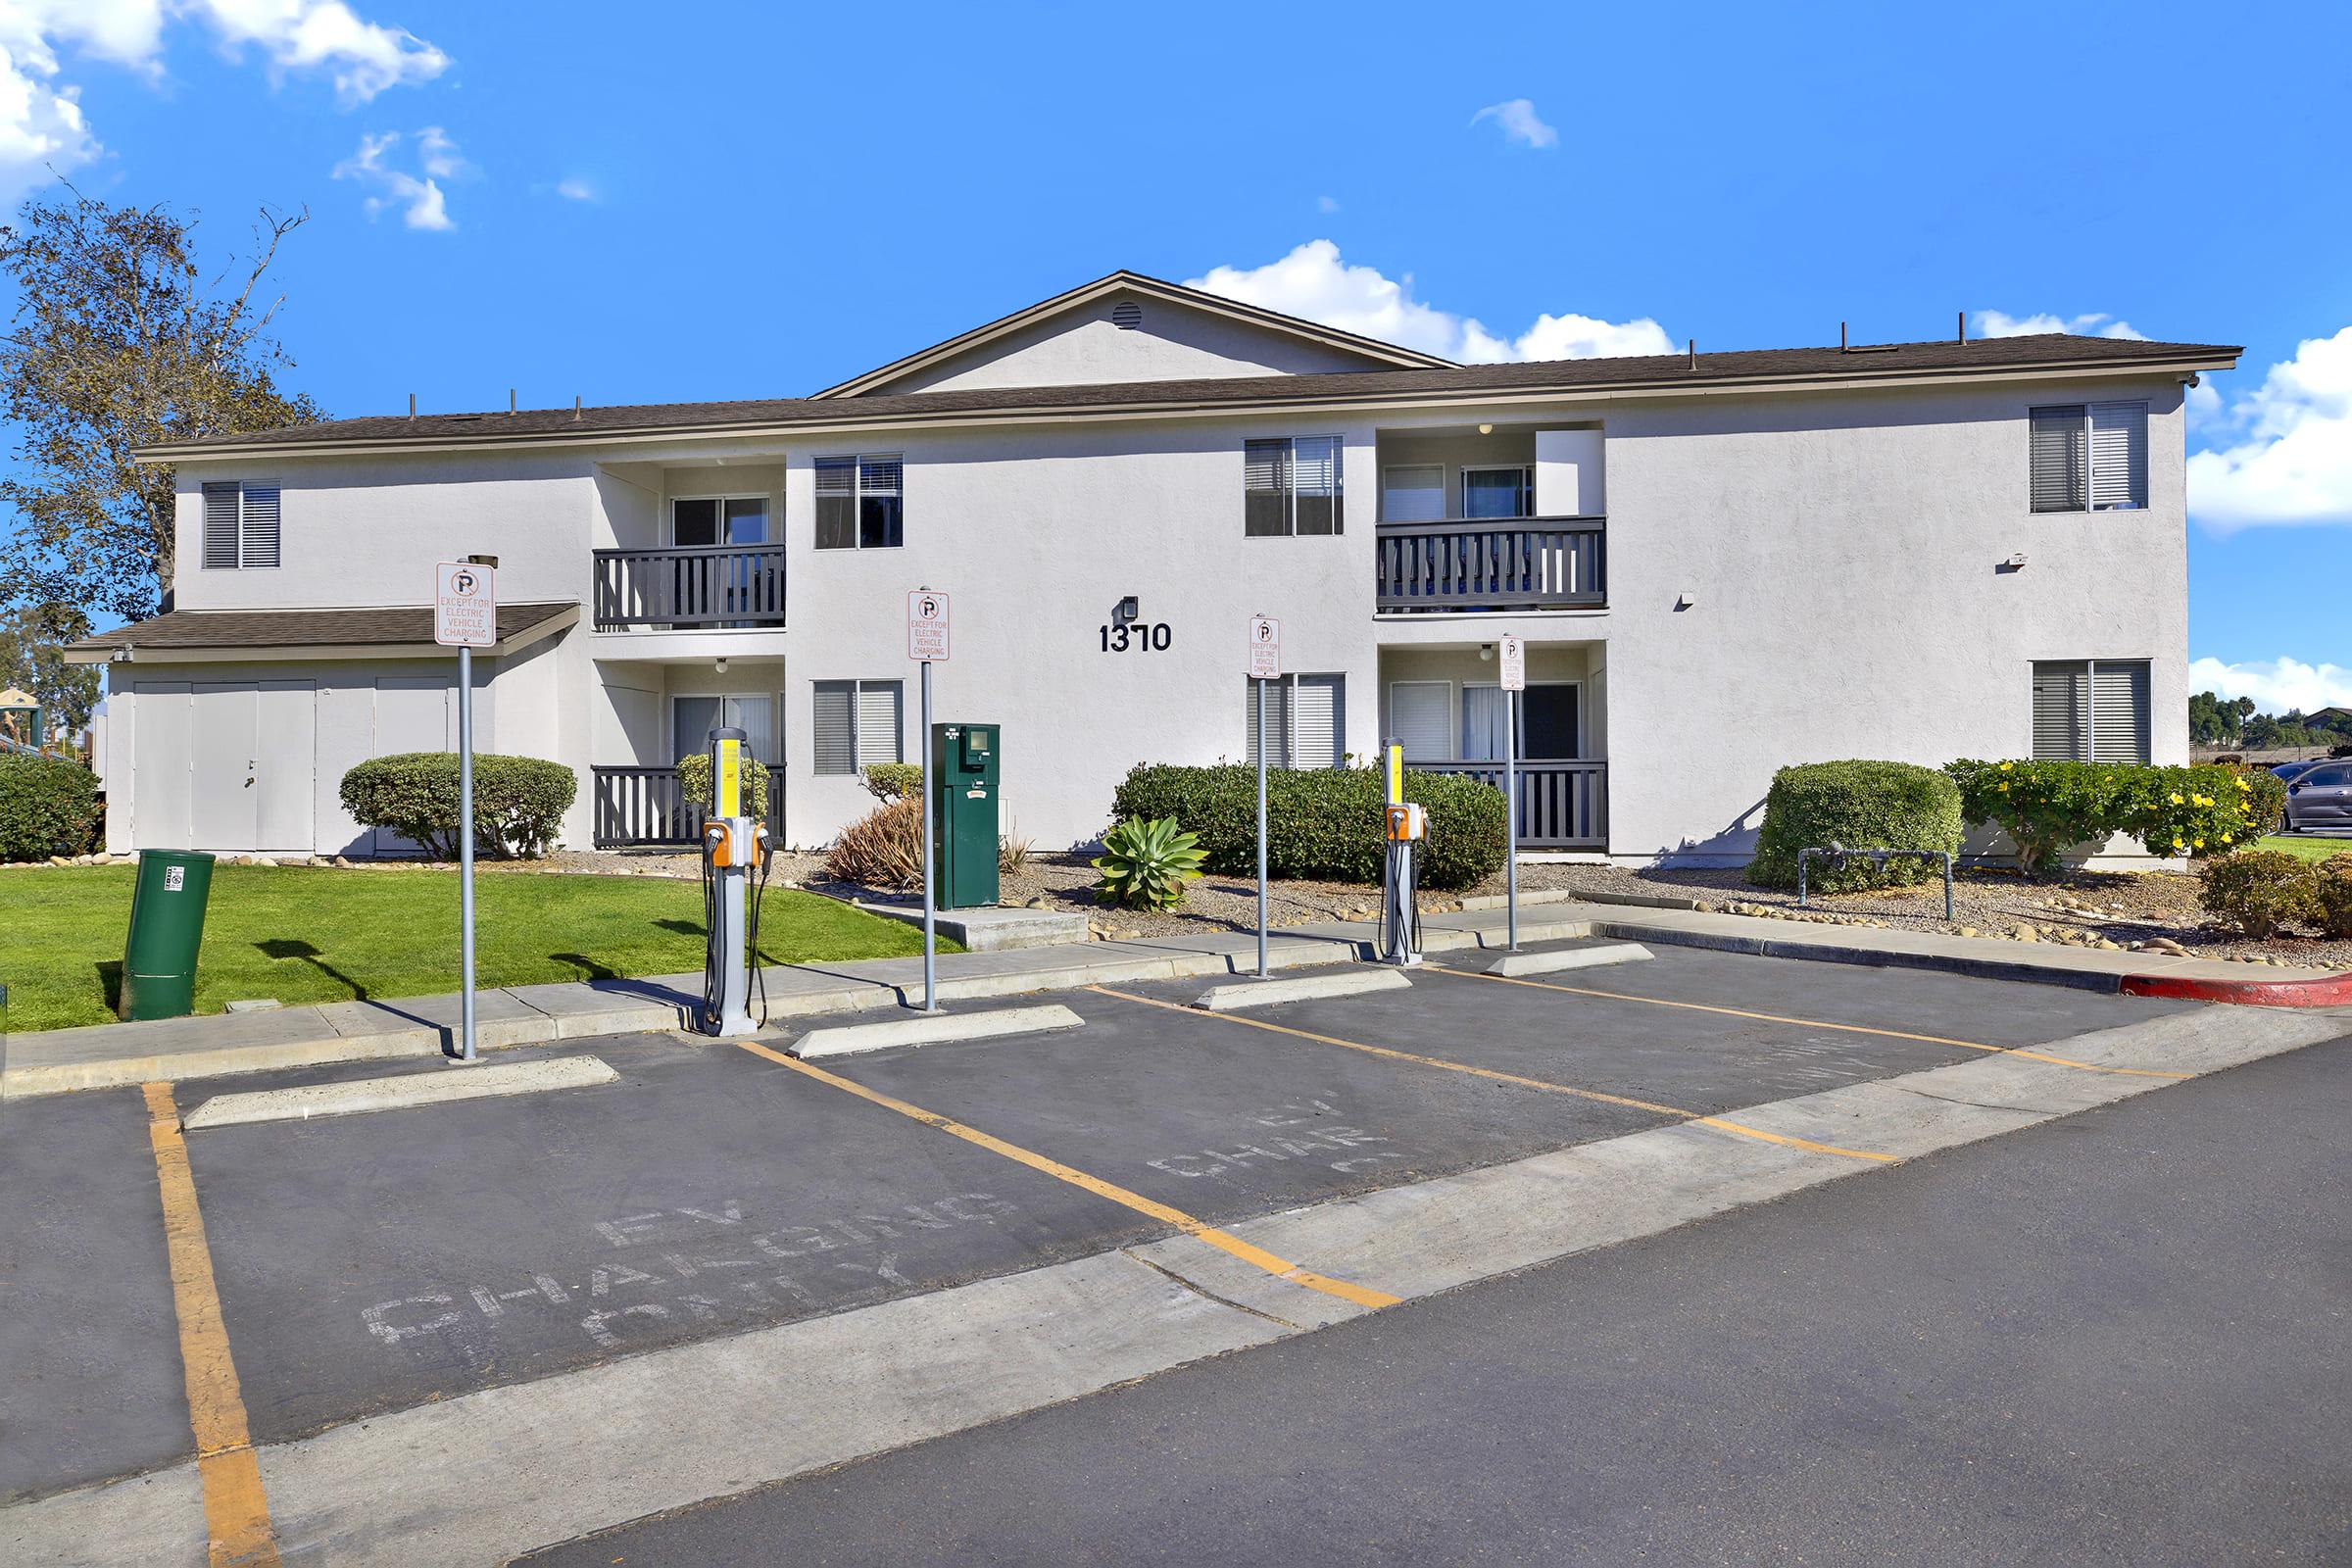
pixel 736 855
pixel 1407 827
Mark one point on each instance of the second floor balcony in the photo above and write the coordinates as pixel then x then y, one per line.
pixel 690 586
pixel 1473 564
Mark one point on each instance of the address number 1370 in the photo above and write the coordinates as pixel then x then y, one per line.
pixel 1154 637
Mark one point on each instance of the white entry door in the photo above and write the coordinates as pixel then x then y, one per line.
pixel 161 772
pixel 224 807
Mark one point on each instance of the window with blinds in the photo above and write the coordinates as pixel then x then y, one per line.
pixel 2090 458
pixel 1306 719
pixel 860 502
pixel 240 524
pixel 1291 486
pixel 856 724
pixel 1421 717
pixel 2091 711
pixel 1413 492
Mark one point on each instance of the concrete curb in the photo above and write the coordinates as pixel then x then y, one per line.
pixel 1870 958
pixel 429 1088
pixel 1298 988
pixel 849 1039
pixel 1514 964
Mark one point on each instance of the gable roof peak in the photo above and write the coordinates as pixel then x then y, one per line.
pixel 1383 356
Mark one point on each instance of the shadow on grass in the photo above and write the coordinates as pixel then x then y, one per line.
pixel 110 981
pixel 590 969
pixel 295 948
pixel 684 928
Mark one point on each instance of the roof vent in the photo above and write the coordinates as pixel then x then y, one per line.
pixel 1126 315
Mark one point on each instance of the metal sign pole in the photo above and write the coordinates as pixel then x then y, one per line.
pixel 1510 806
pixel 930 900
pixel 1261 827
pixel 465 846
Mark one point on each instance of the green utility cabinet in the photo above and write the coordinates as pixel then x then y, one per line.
pixel 964 811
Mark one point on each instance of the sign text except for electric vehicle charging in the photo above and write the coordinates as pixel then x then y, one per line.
pixel 927 626
pixel 465 605
pixel 1514 665
pixel 1265 649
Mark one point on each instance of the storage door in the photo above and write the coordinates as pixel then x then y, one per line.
pixel 289 766
pixel 224 810
pixel 161 764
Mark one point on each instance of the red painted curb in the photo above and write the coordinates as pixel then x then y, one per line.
pixel 2327 991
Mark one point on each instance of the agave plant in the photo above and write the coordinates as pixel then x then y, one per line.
pixel 1145 865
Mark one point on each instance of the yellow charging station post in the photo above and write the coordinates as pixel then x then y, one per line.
pixel 731 851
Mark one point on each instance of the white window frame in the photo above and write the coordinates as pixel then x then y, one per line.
pixel 1287 744
pixel 670 511
pixel 774 701
pixel 2135 485
pixel 1438 469
pixel 859 761
pixel 1289 486
pixel 1461 480
pixel 2091 706
pixel 1454 713
pixel 857 494
pixel 245 551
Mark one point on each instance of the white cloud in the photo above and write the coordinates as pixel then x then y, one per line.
pixel 419 196
pixel 1519 122
pixel 41 122
pixel 2277 685
pixel 2291 462
pixel 2098 324
pixel 575 190
pixel 1314 283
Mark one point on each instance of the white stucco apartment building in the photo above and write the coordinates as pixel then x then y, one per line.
pixel 1722 563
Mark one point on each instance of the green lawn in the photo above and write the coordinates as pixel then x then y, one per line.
pixel 316 933
pixel 2306 848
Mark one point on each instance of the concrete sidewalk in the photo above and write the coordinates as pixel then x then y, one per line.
pixel 105 1056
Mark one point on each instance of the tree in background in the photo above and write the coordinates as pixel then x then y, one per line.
pixel 2214 722
pixel 119 341
pixel 32 660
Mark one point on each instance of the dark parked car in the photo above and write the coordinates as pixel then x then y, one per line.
pixel 2320 799
pixel 2288 772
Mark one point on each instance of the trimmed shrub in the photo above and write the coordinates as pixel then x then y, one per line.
pixel 2332 890
pixel 883 849
pixel 2047 808
pixel 694 782
pixel 893 781
pixel 1859 806
pixel 2258 891
pixel 2264 791
pixel 1323 823
pixel 1144 864
pixel 518 801
pixel 48 807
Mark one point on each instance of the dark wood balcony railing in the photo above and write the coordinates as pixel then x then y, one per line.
pixel 1563 805
pixel 690 585
pixel 643 806
pixel 1493 564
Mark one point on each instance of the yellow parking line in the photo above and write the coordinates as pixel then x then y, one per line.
pixel 236 1512
pixel 1811 1023
pixel 1199 1230
pixel 1719 1124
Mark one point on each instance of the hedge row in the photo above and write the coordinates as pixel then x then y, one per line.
pixel 1857 805
pixel 48 807
pixel 2047 807
pixel 518 801
pixel 1321 823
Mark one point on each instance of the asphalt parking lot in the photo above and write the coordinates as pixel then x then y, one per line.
pixel 374 1262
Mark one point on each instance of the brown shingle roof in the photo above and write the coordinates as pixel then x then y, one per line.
pixel 301 628
pixel 1771 366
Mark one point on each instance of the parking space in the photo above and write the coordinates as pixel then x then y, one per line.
pixel 374 1262
pixel 377 1261
pixel 88 1339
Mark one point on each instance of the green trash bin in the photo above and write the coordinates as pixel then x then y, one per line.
pixel 166 927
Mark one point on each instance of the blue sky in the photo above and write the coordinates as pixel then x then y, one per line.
pixel 638 204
